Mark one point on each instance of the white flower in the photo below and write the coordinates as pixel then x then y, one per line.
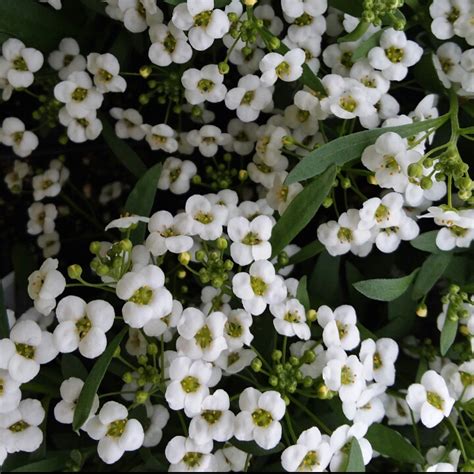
pixel 129 123
pixel 169 45
pixel 346 377
pixel 447 63
pixel 56 4
pixel 296 8
pixel 115 432
pixel 458 230
pixel 10 395
pixel 250 239
pixel 230 459
pixel 382 213
pixel 280 195
pixel 145 294
pixel 42 218
pixel 50 244
pixel 46 184
pixel 394 55
pixel 262 173
pixel 187 455
pixel 467 63
pixel 67 59
pixel 168 234
pixel 14 179
pixel 205 84
pixel 311 453
pixel 201 337
pixel 189 384
pixel 397 411
pixel 341 439
pixel 237 329
pixel 315 368
pixel 79 94
pixel 463 27
pixel 164 326
pixel 20 62
pixel 388 239
pixel 159 417
pixel 368 408
pixel 45 285
pixel 70 390
pixel 106 68
pixel 214 299
pixel 234 362
pixel 389 158
pixel 430 399
pixel 27 348
pixel 345 235
pixel 13 133
pixel 138 14
pixel 259 287
pixel 79 130
pixel 83 326
pixel 161 137
pixel 215 422
pixel 288 67
pixel 249 98
pixel 208 139
pixel 20 427
pixel 290 319
pixel 378 358
pixel 339 327
pixel 176 175
pixel 244 136
pixel 206 219
pixel 445 14
pixel 124 223
pixel 110 192
pixel 442 461
pixel 259 419
pixel 205 24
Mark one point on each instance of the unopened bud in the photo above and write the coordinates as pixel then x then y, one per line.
pixel 145 71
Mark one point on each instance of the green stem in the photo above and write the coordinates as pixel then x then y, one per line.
pixel 458 438
pixel 294 438
pixel 450 191
pixel 318 422
pixel 415 431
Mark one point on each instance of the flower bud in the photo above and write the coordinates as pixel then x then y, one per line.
pixel 224 68
pixel 184 258
pixel 422 310
pixel 145 71
pixel 74 272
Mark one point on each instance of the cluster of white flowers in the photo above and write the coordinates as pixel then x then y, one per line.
pixel 241 315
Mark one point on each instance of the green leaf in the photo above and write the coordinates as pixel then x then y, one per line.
pixel 93 381
pixel 140 201
pixel 122 150
pixel 4 326
pixel 355 461
pixel 324 284
pixel 253 448
pixel 448 333
pixel 363 49
pixel 350 147
pixel 385 289
pixel 301 210
pixel 55 463
pixel 71 366
pixel 302 293
pixel 426 242
pixel 391 443
pixel 431 271
pixel 307 252
pixel 37 25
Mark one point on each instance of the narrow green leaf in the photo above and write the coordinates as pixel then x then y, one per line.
pixel 302 293
pixel 140 201
pixel 37 25
pixel 363 49
pixel 301 210
pixel 55 463
pixel 253 448
pixel 431 271
pixel 448 334
pixel 93 381
pixel 355 461
pixel 391 443
pixel 355 34
pixel 307 252
pixel 325 281
pixel 71 366
pixel 350 147
pixel 385 289
pixel 122 150
pixel 4 326
pixel 426 242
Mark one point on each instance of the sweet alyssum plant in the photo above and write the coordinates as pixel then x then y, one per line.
pixel 304 301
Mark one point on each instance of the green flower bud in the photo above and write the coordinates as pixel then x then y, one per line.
pixel 143 359
pixel 141 397
pixel 307 382
pixel 426 183
pixel 127 377
pixel 294 361
pixel 222 243
pixel 224 68
pixel 277 355
pixel 256 365
pixel 184 258
pixel 274 43
pixel 152 349
pixel 415 170
pixel 273 381
pixel 145 71
pixel 327 203
pixel 95 248
pixel 74 272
